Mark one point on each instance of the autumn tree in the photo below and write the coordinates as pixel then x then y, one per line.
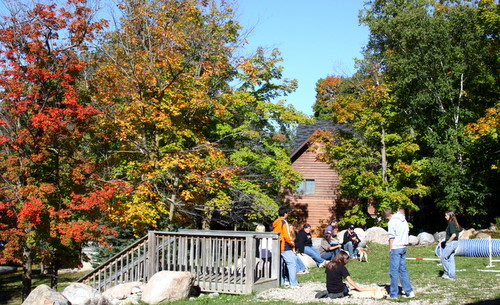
pixel 440 60
pixel 191 126
pixel 375 155
pixel 51 200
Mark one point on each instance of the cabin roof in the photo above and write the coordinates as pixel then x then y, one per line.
pixel 304 133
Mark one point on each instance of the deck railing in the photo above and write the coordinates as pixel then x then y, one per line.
pixel 233 262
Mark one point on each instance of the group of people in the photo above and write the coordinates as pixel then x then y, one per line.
pixel 335 256
pixel 292 245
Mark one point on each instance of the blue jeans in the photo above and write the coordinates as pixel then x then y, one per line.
pixel 329 255
pixel 300 265
pixel 349 247
pixel 397 270
pixel 314 254
pixel 290 271
pixel 448 258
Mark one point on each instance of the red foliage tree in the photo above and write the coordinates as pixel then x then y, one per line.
pixel 51 199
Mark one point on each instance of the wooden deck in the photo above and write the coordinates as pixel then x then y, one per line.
pixel 231 262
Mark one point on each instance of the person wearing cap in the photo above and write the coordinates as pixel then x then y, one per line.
pixel 350 242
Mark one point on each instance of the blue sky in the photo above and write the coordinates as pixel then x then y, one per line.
pixel 316 38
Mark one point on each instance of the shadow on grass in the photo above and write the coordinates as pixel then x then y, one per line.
pixel 486 302
pixel 10 291
pixel 11 284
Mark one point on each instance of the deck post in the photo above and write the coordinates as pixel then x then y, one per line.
pixel 150 256
pixel 250 263
pixel 276 267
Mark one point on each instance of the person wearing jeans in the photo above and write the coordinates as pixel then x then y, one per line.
pixel 326 249
pixel 289 268
pixel 305 246
pixel 398 240
pixel 351 242
pixel 451 243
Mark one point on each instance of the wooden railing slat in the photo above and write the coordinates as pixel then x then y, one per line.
pixel 222 261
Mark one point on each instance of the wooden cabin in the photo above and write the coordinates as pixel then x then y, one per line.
pixel 317 199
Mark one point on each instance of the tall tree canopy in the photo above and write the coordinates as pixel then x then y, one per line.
pixel 156 123
pixel 192 127
pixel 437 63
pixel 51 197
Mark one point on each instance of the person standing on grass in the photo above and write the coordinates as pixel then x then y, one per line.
pixel 305 245
pixel 450 245
pixel 287 244
pixel 398 240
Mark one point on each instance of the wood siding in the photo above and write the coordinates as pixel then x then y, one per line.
pixel 315 209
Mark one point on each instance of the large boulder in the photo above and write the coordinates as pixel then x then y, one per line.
pixel 43 295
pixel 81 294
pixel 307 260
pixel 7 269
pixel 122 291
pixel 377 235
pixel 439 236
pixel 482 235
pixel 412 240
pixel 167 286
pixel 340 236
pixel 425 238
pixel 361 234
pixel 467 234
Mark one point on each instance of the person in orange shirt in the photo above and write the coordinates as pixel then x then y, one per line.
pixel 287 245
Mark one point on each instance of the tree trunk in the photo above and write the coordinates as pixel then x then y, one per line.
pixel 54 268
pixel 172 206
pixel 27 269
pixel 383 156
pixel 207 219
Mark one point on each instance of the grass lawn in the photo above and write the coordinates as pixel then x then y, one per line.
pixel 11 284
pixel 471 287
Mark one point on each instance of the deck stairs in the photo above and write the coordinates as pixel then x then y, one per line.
pixel 233 262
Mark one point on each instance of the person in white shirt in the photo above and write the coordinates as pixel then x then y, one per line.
pixel 398 240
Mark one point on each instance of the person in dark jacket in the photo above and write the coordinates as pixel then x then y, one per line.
pixel 304 245
pixel 350 242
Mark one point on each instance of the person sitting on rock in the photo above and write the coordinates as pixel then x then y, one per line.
pixel 326 249
pixel 305 246
pixel 351 242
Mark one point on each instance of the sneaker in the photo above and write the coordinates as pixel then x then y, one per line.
pixel 301 272
pixel 323 264
pixel 445 276
pixel 409 295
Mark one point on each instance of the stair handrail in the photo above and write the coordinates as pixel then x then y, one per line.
pixel 114 258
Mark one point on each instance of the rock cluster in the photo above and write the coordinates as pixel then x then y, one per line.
pixel 162 287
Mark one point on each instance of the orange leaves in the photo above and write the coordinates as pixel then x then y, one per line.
pixel 487 125
pixel 30 214
pixel 43 134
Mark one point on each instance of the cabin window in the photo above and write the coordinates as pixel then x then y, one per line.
pixel 307 186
